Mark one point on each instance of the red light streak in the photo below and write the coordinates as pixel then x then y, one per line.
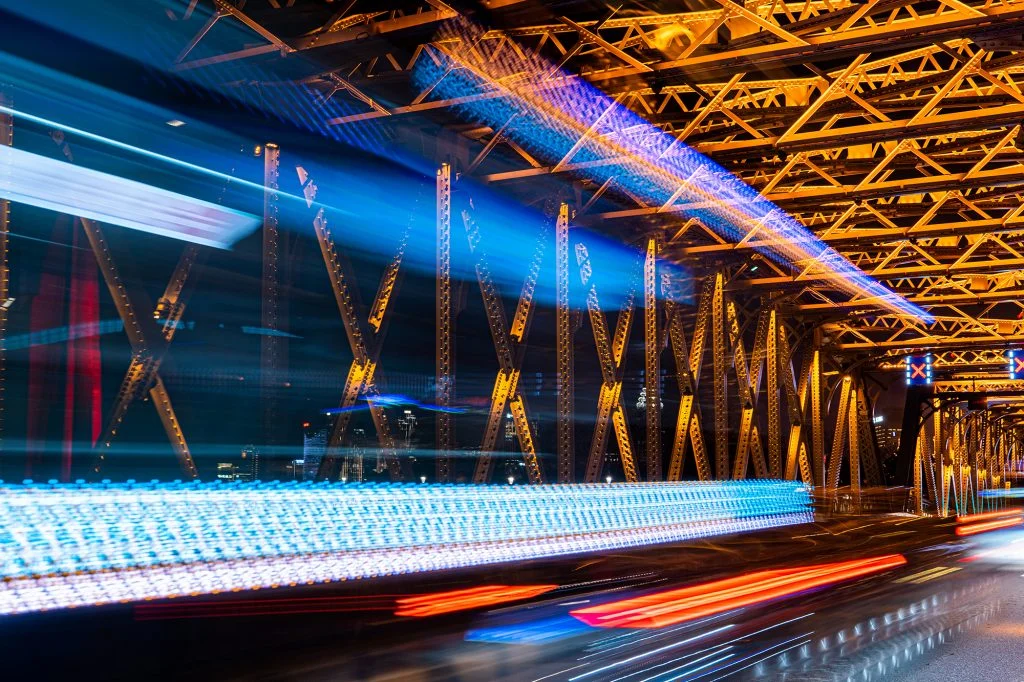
pixel 974 529
pixel 698 601
pixel 424 605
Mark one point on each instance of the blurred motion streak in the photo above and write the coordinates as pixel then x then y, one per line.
pixel 985 526
pixel 58 186
pixel 82 544
pixel 437 603
pixel 698 601
pixel 576 126
pixel 540 631
pixel 985 516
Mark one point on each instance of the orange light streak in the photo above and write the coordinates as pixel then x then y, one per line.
pixel 424 605
pixel 1002 513
pixel 698 601
pixel 976 528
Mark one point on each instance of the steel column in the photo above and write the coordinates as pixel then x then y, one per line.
pixel 652 360
pixel 564 353
pixel 272 346
pixel 445 360
pixel 839 437
pixel 817 422
pixel 7 139
pixel 721 385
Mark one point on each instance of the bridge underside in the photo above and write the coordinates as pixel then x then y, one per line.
pixel 890 131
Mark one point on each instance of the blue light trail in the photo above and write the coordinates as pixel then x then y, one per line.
pixel 568 122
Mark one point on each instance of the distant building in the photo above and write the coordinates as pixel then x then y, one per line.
pixel 407 428
pixel 888 440
pixel 226 471
pixel 245 469
pixel 249 468
pixel 314 446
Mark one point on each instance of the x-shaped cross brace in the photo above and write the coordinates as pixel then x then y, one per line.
pixel 149 346
pixel 364 338
pixel 611 352
pixel 149 343
pixel 510 345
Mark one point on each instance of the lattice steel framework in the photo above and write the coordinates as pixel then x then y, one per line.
pixel 890 130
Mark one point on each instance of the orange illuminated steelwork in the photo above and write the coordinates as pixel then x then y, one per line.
pixel 689 603
pixel 424 605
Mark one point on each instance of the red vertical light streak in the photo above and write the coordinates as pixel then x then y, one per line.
pixel 82 383
pixel 46 313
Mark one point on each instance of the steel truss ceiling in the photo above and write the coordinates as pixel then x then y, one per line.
pixel 892 128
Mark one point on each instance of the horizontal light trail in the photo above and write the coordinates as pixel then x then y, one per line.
pixel 77 545
pixel 698 601
pixel 972 524
pixel 1002 492
pixel 155 156
pixel 927 575
pixel 424 605
pixel 569 123
pixel 59 186
pixel 986 526
pixel 985 516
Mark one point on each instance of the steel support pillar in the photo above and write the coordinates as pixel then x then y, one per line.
pixel 855 444
pixel 840 433
pixel 652 360
pixel 564 353
pixel 7 139
pixel 909 433
pixel 775 360
pixel 271 345
pixel 817 421
pixel 445 323
pixel 721 385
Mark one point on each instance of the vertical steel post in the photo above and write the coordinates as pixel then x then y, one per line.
pixel 7 139
pixel 270 344
pixel 855 445
pixel 839 437
pixel 939 461
pixel 774 409
pixel 564 352
pixel 918 480
pixel 445 376
pixel 652 361
pixel 817 421
pixel 721 385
